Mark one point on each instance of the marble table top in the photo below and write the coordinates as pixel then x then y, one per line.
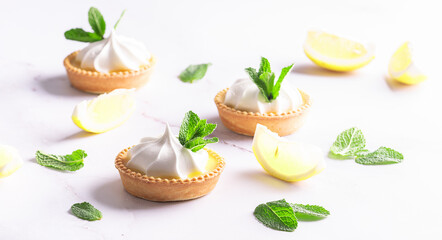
pixel 366 202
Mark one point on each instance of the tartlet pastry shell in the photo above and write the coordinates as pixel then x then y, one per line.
pixel 96 82
pixel 244 122
pixel 164 190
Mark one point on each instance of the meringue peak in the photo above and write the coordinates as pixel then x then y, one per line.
pixel 165 157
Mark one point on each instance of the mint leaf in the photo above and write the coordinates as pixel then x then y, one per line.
pixel 86 211
pixel 121 16
pixel 78 34
pixel 362 153
pixel 96 21
pixel 278 215
pixel 253 74
pixel 264 67
pixel 309 212
pixel 348 143
pixel 351 143
pixel 265 79
pixel 70 162
pixel 203 128
pixel 193 130
pixel 262 86
pixel 198 143
pixel 194 72
pixel 188 127
pixel 381 156
pixel 284 73
pixel 268 78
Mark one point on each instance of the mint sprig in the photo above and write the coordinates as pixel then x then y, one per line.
pixel 193 131
pixel 265 79
pixel 351 144
pixel 98 25
pixel 86 211
pixel 283 216
pixel 194 72
pixel 70 162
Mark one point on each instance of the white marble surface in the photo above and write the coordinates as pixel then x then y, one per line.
pixel 367 202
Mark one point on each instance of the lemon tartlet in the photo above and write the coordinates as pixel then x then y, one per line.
pixel 107 63
pixel 170 168
pixel 169 189
pixel 244 122
pixel 260 100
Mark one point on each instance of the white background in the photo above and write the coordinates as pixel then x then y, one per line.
pixel 399 201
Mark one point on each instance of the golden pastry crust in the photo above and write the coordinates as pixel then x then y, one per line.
pixel 165 190
pixel 96 82
pixel 244 122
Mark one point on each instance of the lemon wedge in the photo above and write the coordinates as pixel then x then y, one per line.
pixel 336 53
pixel 10 160
pixel 288 161
pixel 402 68
pixel 105 112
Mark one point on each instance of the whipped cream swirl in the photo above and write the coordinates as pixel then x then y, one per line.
pixel 166 157
pixel 115 53
pixel 245 95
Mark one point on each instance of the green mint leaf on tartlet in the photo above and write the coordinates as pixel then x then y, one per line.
pixel 86 211
pixel 194 72
pixel 78 34
pixel 265 79
pixel 278 215
pixel 96 21
pixel 199 143
pixel 381 156
pixel 281 77
pixel 269 81
pixel 348 143
pixel 70 162
pixel 264 66
pixel 309 212
pixel 193 131
pixel 98 25
pixel 121 16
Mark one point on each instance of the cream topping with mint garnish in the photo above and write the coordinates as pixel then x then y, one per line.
pixel 115 53
pixel 171 157
pixel 165 157
pixel 245 95
pixel 263 92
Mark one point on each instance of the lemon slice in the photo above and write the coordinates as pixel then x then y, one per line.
pixel 288 161
pixel 10 160
pixel 105 112
pixel 337 53
pixel 402 68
